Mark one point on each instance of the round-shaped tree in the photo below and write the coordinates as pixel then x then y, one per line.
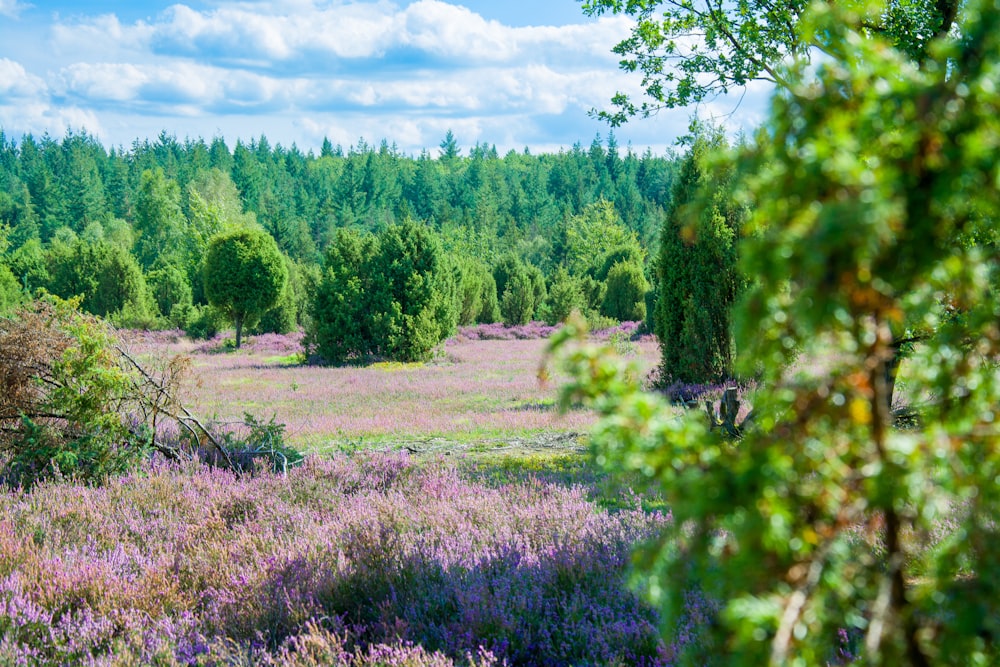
pixel 244 275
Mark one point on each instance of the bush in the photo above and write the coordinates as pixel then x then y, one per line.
pixel 518 302
pixel 67 397
pixel 200 322
pixel 11 294
pixel 392 296
pixel 170 288
pixel 565 296
pixel 247 445
pixel 625 295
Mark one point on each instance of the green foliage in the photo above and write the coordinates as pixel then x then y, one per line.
pixel 697 265
pixel 625 295
pixel 28 265
pixel 41 451
pixel 565 297
pixel 687 54
pixel 244 275
pixel 249 446
pixel 392 296
pixel 489 311
pixel 593 235
pixel 171 290
pixel 199 322
pixel 520 288
pixel 11 294
pixel 160 225
pixel 474 281
pixel 629 254
pixel 285 315
pixel 869 189
pixel 162 199
pixel 539 292
pixel 336 332
pixel 518 302
pixel 64 396
pixel 106 277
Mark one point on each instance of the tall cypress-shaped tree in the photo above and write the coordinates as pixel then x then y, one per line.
pixel 699 279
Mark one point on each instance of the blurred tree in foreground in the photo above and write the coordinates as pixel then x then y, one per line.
pixel 825 533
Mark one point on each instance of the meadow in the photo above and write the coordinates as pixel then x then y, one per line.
pixel 480 392
pixel 500 544
pixel 364 560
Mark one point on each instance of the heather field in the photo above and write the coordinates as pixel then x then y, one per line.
pixel 362 555
pixel 480 392
pixel 368 559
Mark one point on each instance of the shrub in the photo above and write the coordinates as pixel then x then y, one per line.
pixel 391 296
pixel 199 322
pixel 64 407
pixel 625 295
pixel 518 302
pixel 565 296
pixel 170 288
pixel 244 275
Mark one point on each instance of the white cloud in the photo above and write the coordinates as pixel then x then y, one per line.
pixel 299 70
pixel 101 38
pixel 304 35
pixel 12 8
pixel 39 117
pixel 17 83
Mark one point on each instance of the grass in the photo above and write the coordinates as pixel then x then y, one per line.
pixel 477 391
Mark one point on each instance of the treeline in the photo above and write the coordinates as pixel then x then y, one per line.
pixel 524 236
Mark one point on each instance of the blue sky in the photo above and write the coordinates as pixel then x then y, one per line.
pixel 513 73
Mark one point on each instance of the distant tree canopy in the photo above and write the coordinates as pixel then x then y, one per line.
pixel 159 202
pixel 393 295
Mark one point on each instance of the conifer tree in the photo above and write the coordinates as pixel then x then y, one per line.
pixel 697 268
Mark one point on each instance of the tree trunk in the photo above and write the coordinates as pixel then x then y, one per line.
pixel 238 321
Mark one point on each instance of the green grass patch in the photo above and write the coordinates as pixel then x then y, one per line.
pixel 295 359
pixel 391 366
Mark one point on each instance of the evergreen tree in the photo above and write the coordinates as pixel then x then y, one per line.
pixel 699 279
pixel 517 304
pixel 244 275
pixel 160 225
pixel 391 296
pixel 565 296
pixel 625 293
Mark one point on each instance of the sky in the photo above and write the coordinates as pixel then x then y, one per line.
pixel 510 73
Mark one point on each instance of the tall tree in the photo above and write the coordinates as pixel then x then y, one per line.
pixel 159 224
pixel 699 279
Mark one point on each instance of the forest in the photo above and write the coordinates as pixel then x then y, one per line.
pixel 128 231
pixel 804 471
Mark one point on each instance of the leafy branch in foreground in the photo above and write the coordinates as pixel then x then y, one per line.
pixel 689 51
pixel 825 533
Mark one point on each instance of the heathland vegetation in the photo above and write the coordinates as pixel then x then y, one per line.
pixel 837 271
